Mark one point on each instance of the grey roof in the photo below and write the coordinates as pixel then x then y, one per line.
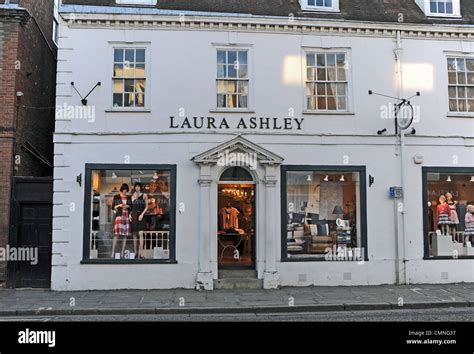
pixel 351 10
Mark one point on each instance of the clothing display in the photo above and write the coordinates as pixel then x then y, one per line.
pixel 453 217
pixel 229 218
pixel 444 212
pixel 138 206
pixel 469 219
pixel 122 223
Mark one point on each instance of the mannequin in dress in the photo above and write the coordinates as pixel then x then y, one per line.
pixel 453 218
pixel 121 205
pixel 139 208
pixel 229 217
pixel 443 212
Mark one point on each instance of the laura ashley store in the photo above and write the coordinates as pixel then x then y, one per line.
pixel 173 181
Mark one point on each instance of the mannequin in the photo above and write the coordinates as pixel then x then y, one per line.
pixel 443 211
pixel 139 208
pixel 469 218
pixel 121 205
pixel 453 218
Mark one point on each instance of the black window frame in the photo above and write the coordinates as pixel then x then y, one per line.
pixel 362 170
pixel 424 176
pixel 88 204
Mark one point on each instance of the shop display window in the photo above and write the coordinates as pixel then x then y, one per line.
pixel 324 214
pixel 131 213
pixel 448 212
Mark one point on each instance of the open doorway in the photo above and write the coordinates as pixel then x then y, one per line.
pixel 236 220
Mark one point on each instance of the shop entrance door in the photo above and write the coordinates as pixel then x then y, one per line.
pixel 236 236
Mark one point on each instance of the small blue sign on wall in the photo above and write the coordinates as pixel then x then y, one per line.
pixel 396 192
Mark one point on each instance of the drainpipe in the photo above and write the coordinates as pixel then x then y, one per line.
pixel 401 273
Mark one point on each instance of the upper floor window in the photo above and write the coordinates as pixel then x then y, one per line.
pixel 440 8
pixel 461 84
pixel 232 84
pixel 136 2
pixel 320 5
pixel 326 81
pixel 129 77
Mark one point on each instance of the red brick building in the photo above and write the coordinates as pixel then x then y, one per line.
pixel 28 56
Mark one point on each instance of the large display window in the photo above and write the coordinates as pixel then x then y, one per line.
pixel 324 213
pixel 129 213
pixel 448 212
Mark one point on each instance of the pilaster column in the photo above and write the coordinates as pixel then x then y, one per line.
pixel 204 277
pixel 271 278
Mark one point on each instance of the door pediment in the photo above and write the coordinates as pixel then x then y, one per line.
pixel 238 145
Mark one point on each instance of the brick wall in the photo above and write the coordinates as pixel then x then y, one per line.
pixel 8 44
pixel 27 65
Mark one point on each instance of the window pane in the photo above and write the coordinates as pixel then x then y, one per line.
pixel 129 69
pixel 232 71
pixel 310 60
pixel 452 78
pixel 470 104
pixel 321 89
pixel 139 100
pixel 311 103
pixel 331 72
pixel 140 86
pixel 331 89
pixel 449 7
pixel 118 70
pixel 470 64
pixel 461 78
pixel 332 103
pixel 341 89
pixel 221 57
pixel 118 55
pixel 232 57
pixel 341 60
pixel 462 105
pixel 221 87
pixel 243 87
pixel 341 74
pixel 243 71
pixel 130 55
pixel 331 59
pixel 470 78
pixel 452 92
pixel 115 214
pixel 221 101
pixel 129 85
pixel 453 105
pixel 118 86
pixel 242 101
pixel 341 103
pixel 311 72
pixel 221 70
pixel 232 101
pixel 321 60
pixel 242 58
pixel 232 86
pixel 140 70
pixel 118 100
pixel 323 213
pixel 140 56
pixel 460 64
pixel 322 102
pixel 322 75
pixel 452 64
pixel 470 92
pixel 129 100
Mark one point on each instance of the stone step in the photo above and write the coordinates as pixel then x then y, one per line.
pixel 238 283
pixel 237 273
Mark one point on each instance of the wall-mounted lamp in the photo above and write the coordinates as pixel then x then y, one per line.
pixel 449 179
pixel 309 179
pixel 114 175
pixel 381 132
pixel 79 179
pixel 472 179
pixel 84 99
pixel 343 179
pixel 326 179
pixel 418 159
pixel 371 180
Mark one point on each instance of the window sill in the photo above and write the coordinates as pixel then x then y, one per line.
pixel 128 261
pixel 447 258
pixel 227 110
pixel 124 110
pixel 329 113
pixel 306 260
pixel 460 115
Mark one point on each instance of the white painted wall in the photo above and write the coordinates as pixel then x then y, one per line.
pixel 182 75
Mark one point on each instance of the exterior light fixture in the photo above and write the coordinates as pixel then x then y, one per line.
pixel 326 179
pixel 449 179
pixel 343 179
pixel 472 179
pixel 309 179
pixel 114 175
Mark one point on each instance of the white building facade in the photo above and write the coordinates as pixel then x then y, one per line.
pixel 257 146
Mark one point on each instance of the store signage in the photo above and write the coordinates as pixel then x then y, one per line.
pixel 396 192
pixel 252 123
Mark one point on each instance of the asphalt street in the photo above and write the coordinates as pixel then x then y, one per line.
pixel 430 315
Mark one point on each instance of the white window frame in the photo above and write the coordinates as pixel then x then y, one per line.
pixel 110 77
pixel 425 6
pixel 349 104
pixel 456 55
pixel 333 8
pixel 136 2
pixel 237 47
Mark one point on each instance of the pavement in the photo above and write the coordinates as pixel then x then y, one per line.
pixel 41 302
